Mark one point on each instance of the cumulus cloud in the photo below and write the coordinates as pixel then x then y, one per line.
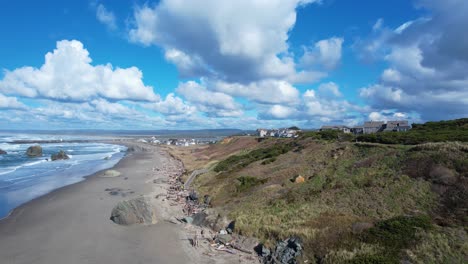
pixel 173 105
pixel 264 91
pixel 68 75
pixel 427 60
pixel 7 102
pixel 234 42
pixel 106 17
pixel 212 103
pixel 325 53
pixel 329 90
pixel 278 112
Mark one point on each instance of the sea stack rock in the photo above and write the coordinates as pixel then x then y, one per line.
pixel 34 151
pixel 2 152
pixel 61 155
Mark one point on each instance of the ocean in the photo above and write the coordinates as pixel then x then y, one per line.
pixel 23 178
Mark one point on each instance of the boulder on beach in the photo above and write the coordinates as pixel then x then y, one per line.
pixel 110 174
pixel 2 152
pixel 61 155
pixel 135 211
pixel 34 151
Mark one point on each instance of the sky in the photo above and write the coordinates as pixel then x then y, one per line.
pixel 174 64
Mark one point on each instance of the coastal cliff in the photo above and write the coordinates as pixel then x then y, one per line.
pixel 347 202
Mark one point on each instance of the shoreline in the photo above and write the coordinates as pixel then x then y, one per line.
pixel 84 178
pixel 69 224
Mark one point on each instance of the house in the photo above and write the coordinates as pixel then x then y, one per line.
pixel 373 127
pixel 342 128
pixel 397 126
pixel 282 132
pixel 262 132
pixel 357 130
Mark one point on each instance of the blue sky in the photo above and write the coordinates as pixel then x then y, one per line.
pixel 174 64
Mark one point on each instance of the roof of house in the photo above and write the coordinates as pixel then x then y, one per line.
pixel 373 124
pixel 397 123
pixel 334 127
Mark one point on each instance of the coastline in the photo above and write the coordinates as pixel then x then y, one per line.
pixel 70 224
pixel 83 178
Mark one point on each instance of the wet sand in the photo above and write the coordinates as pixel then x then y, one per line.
pixel 72 224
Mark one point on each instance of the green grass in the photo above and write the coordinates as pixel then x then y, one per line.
pixel 345 183
pixel 241 161
pixel 453 130
pixel 394 235
pixel 247 182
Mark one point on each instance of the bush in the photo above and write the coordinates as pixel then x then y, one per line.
pixel 453 130
pixel 241 161
pixel 331 135
pixel 247 182
pixel 398 232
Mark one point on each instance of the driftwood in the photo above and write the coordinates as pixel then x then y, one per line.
pixel 226 250
pixel 235 246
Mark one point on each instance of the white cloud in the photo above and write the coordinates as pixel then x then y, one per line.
pixel 173 105
pixel 212 103
pixel 7 102
pixel 326 53
pixel 329 90
pixel 233 41
pixel 67 74
pixel 265 91
pixel 106 17
pixel 279 112
pixel 427 61
pixel 114 109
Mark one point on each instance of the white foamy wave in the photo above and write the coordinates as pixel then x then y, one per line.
pixel 8 170
pixel 33 163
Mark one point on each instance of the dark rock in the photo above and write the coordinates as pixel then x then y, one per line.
pixel 224 239
pixel 285 252
pixel 360 227
pixel 230 227
pixel 188 220
pixel 200 219
pixel 34 151
pixel 61 155
pixel 135 211
pixel 2 152
pixel 192 196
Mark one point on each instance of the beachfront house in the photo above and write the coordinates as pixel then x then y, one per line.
pixel 262 132
pixel 280 133
pixel 342 128
pixel 397 126
pixel 373 127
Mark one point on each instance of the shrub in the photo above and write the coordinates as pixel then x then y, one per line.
pixel 398 232
pixel 241 161
pixel 247 182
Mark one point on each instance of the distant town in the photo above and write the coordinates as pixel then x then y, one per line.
pixel 368 127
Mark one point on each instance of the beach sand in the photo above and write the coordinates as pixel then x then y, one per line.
pixel 72 224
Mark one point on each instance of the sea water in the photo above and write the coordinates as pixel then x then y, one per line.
pixel 23 178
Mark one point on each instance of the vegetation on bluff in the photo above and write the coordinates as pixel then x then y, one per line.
pixel 453 130
pixel 360 202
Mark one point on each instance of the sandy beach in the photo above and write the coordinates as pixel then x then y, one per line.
pixel 72 224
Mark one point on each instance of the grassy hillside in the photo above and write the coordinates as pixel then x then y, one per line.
pixel 453 130
pixel 359 203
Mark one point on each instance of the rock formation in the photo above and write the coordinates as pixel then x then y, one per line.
pixel 34 151
pixel 61 155
pixel 2 152
pixel 135 211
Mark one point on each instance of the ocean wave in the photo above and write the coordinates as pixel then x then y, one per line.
pixel 33 163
